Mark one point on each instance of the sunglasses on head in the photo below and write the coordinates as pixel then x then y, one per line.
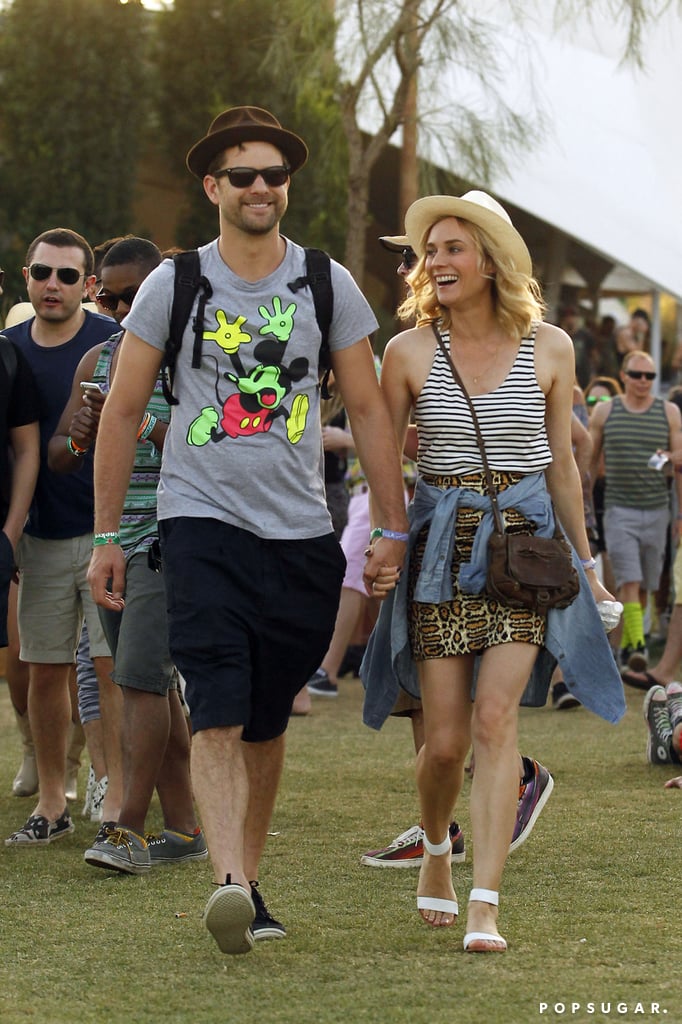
pixel 243 177
pixel 110 301
pixel 593 399
pixel 641 374
pixel 409 257
pixel 67 275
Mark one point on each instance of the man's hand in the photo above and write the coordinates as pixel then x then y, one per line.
pixel 106 576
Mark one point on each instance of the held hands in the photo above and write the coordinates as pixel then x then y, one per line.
pixel 384 566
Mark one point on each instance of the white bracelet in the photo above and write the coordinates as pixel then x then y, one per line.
pixel 588 563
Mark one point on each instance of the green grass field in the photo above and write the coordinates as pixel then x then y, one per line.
pixel 589 903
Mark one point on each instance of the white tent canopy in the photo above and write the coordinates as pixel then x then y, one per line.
pixel 609 173
pixel 606 174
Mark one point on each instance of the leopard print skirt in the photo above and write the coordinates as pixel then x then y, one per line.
pixel 469 623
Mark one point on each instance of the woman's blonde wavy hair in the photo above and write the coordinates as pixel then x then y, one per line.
pixel 517 297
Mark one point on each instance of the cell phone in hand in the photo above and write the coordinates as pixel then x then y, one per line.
pixel 90 385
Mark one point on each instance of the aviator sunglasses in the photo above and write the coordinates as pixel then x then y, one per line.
pixel 110 301
pixel 641 374
pixel 244 177
pixel 67 275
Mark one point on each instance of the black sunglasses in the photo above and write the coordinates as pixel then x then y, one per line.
pixel 409 257
pixel 67 275
pixel 641 374
pixel 243 177
pixel 110 301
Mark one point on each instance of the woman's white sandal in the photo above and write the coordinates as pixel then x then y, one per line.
pixel 432 902
pixel 493 898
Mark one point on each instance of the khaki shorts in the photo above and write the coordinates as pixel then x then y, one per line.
pixel 54 597
pixel 635 542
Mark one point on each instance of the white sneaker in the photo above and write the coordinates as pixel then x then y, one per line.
pixel 97 800
pixel 89 789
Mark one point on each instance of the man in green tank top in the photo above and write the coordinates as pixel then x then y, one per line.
pixel 635 431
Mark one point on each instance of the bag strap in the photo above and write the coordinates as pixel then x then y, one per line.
pixel 497 515
pixel 188 282
pixel 319 279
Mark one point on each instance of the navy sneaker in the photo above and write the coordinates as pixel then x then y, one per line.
pixel 321 685
pixel 39 831
pixel 264 925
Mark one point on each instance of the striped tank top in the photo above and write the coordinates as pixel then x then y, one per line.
pixel 512 421
pixel 138 522
pixel 630 439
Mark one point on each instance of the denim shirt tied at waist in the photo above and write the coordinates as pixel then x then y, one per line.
pixel 574 637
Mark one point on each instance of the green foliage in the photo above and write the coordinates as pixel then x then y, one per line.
pixel 75 89
pixel 240 54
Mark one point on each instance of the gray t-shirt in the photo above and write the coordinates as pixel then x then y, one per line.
pixel 244 444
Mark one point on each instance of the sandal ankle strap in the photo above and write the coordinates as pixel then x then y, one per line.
pixel 485 896
pixel 438 849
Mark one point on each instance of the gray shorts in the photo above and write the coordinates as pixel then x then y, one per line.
pixel 635 542
pixel 54 597
pixel 138 635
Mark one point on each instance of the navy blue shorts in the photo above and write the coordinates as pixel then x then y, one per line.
pixel 249 620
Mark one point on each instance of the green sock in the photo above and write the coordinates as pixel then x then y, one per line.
pixel 633 625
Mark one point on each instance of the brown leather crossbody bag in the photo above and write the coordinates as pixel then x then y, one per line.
pixel 523 571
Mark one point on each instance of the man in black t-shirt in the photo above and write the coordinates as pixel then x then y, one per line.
pixel 19 412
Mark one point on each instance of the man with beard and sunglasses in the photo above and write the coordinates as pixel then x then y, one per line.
pixel 251 565
pixel 154 733
pixel 54 552
pixel 631 431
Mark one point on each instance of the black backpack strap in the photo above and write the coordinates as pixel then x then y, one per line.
pixel 188 282
pixel 319 278
pixel 8 357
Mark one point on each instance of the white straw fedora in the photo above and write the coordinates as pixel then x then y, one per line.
pixel 395 243
pixel 477 207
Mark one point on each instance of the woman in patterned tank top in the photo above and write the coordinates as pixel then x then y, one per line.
pixel 474 280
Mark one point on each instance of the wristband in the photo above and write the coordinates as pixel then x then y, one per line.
pixel 588 563
pixel 74 448
pixel 105 538
pixel 378 531
pixel 148 423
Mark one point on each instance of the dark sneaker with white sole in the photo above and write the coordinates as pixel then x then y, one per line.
pixel 228 917
pixel 660 732
pixel 264 925
pixel 170 847
pixel 123 850
pixel 39 831
pixel 321 685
